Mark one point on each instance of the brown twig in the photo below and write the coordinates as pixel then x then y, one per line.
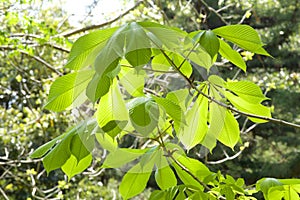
pixel 96 26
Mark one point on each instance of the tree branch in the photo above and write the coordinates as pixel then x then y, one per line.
pixel 96 26
pixel 229 107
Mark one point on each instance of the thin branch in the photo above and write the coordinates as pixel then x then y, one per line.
pixel 40 60
pixel 96 26
pixel 214 11
pixel 3 194
pixel 229 107
pixel 225 159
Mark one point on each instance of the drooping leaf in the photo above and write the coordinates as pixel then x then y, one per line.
pixel 196 119
pixel 230 134
pixel 210 42
pixel 217 116
pixel 164 36
pixel 106 141
pixel 122 156
pixel 144 114
pixel 251 108
pixel 59 154
pixel 68 89
pixel 265 184
pixel 113 51
pixel 242 35
pixel 233 56
pixel 72 166
pixel 134 181
pixel 138 45
pixel 132 81
pixel 98 87
pixel 78 148
pixel 112 111
pixel 172 109
pixel 247 90
pixel 180 97
pixel 86 48
pixel 42 150
pixel 165 178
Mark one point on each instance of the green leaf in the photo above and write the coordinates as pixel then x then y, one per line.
pixel 265 184
pixel 164 36
pixel 68 90
pixel 172 109
pixel 106 141
pixel 85 49
pixel 227 191
pixel 138 52
pixel 112 110
pixel 180 97
pixel 217 116
pixel 42 150
pixel 72 166
pixel 160 63
pixel 182 64
pixel 60 153
pixel 78 148
pixel 242 35
pixel 121 156
pixel 132 81
pixel 134 181
pixel 233 56
pixel 196 118
pixel 144 114
pixel 113 50
pixel 246 90
pixel 164 175
pixel 210 42
pixel 98 87
pixel 251 108
pixel 230 133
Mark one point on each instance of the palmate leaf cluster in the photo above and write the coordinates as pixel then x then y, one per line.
pixel 109 68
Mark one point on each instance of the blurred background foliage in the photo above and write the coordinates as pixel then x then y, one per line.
pixel 34 47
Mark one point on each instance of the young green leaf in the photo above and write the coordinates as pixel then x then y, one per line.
pixel 85 49
pixel 172 109
pixel 210 42
pixel 66 90
pixel 98 87
pixel 247 90
pixel 242 35
pixel 112 113
pixel 138 52
pixel 78 148
pixel 144 114
pixel 134 181
pixel 132 81
pixel 233 56
pixel 196 118
pixel 122 156
pixel 59 154
pixel 230 133
pixel 106 141
pixel 72 166
pixel 42 150
pixel 217 116
pixel 251 108
pixel 164 175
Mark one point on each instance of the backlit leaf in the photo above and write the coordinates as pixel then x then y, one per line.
pixel 66 90
pixel 73 167
pixel 233 56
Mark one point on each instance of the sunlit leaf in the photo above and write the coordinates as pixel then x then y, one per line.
pixel 86 48
pixel 66 90
pixel 72 166
pixel 233 56
pixel 242 35
pixel 144 114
